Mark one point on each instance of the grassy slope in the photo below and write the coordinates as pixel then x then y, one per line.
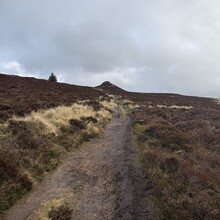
pixel 34 144
pixel 178 137
pixel 22 95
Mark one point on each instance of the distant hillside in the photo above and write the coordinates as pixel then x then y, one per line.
pixel 177 138
pixel 21 95
pixel 156 98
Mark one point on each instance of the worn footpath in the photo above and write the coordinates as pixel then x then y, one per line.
pixel 102 180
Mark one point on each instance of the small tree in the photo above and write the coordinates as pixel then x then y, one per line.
pixel 52 78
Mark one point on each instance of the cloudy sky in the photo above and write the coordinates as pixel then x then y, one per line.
pixel 140 45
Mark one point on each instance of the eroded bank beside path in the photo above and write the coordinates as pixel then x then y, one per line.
pixel 103 180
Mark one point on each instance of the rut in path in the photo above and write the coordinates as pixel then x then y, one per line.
pixel 103 180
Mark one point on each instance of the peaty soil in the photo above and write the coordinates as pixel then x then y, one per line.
pixel 102 180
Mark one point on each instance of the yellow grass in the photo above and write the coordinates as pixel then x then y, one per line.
pixel 127 101
pixel 52 120
pixel 50 138
pixel 93 129
pixel 217 101
pixel 109 104
pixel 111 96
pixel 42 214
pixel 131 105
pixel 174 107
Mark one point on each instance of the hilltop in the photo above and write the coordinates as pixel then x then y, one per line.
pixel 109 87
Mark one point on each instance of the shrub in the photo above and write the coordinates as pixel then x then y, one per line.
pixel 8 167
pixel 89 119
pixel 62 212
pixel 77 124
pixel 170 165
pixel 179 150
pixel 25 134
pixel 52 78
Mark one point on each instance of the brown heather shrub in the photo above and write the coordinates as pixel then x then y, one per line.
pixel 168 136
pixel 94 104
pixel 170 165
pixel 180 155
pixel 89 119
pixel 26 135
pixel 77 124
pixel 13 183
pixel 183 191
pixel 8 167
pixel 62 212
pixel 150 159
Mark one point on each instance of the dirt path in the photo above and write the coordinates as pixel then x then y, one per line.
pixel 103 180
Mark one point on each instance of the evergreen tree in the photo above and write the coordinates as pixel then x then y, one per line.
pixel 52 78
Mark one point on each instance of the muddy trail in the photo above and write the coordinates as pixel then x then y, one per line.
pixel 102 180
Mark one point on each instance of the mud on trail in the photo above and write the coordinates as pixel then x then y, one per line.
pixel 102 180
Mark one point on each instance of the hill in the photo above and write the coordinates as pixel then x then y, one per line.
pixel 177 138
pixel 111 88
pixel 22 95
pixel 179 143
pixel 41 124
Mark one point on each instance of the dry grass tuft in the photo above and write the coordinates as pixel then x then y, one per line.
pixel 53 210
pixel 53 119
pixel 130 105
pixel 109 104
pixel 216 101
pixel 174 107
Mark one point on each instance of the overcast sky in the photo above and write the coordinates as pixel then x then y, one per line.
pixel 140 45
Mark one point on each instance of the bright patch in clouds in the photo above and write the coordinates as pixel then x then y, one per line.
pixel 12 67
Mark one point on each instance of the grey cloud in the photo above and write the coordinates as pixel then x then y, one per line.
pixel 143 45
